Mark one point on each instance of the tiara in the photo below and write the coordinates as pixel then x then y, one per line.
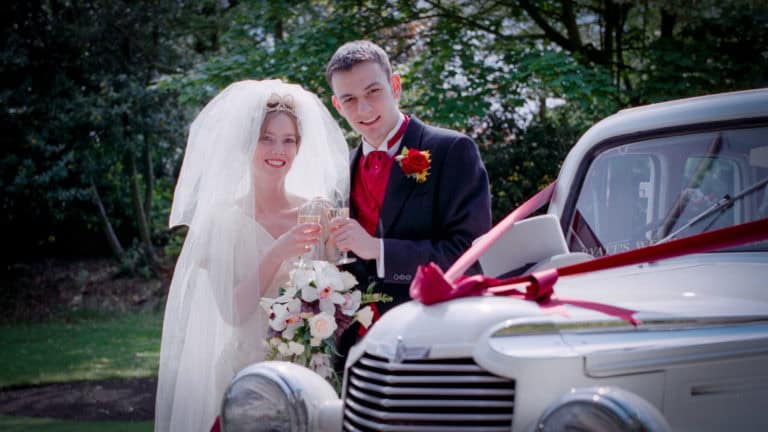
pixel 277 103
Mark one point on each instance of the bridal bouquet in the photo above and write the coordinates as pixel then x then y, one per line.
pixel 315 307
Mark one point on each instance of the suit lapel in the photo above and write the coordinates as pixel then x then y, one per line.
pixel 399 187
pixel 354 161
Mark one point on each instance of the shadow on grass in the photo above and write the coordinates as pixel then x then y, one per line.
pixel 130 399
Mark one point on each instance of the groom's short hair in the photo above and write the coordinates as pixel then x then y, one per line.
pixel 352 54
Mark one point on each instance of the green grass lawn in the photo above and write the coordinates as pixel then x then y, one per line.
pixel 79 346
pixel 82 346
pixel 29 424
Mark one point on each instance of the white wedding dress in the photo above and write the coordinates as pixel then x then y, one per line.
pixel 216 343
pixel 207 336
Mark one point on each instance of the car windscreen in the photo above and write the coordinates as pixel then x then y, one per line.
pixel 650 191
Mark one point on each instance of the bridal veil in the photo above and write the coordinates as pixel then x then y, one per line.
pixel 205 339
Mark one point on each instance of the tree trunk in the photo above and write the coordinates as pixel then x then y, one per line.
pixel 144 231
pixel 109 232
pixel 149 182
pixel 622 67
pixel 585 53
pixel 668 21
pixel 542 108
pixel 279 29
pixel 569 21
pixel 609 30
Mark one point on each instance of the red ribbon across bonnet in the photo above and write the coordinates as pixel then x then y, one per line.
pixel 431 286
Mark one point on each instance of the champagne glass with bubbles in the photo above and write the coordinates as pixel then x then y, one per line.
pixel 340 210
pixel 310 212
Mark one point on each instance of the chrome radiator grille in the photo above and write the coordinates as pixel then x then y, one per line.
pixel 426 395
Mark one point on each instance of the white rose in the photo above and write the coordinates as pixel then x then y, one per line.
pixel 283 349
pixel 322 325
pixel 349 280
pixel 365 316
pixel 295 348
pixel 290 349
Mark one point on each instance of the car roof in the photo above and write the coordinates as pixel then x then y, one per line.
pixel 655 117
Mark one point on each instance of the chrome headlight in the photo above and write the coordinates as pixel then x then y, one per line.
pixel 602 409
pixel 272 396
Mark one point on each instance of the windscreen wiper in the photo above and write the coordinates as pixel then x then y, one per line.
pixel 682 200
pixel 720 206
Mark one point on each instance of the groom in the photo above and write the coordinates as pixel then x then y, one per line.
pixel 427 206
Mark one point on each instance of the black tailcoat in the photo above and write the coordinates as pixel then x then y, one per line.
pixel 434 221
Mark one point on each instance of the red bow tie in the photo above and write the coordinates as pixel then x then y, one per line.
pixel 374 161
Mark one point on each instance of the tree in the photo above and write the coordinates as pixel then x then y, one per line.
pixel 494 68
pixel 491 67
pixel 97 96
pixel 88 132
pixel 645 48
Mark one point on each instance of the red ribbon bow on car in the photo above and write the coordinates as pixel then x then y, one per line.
pixel 431 286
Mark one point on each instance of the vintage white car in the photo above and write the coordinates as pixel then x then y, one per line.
pixel 696 360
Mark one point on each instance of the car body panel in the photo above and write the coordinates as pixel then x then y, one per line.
pixel 706 311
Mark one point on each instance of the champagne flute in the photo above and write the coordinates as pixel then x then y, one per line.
pixel 309 213
pixel 340 210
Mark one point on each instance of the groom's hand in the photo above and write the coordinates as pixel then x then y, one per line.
pixel 348 235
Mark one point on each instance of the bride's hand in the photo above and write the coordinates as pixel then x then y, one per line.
pixel 298 240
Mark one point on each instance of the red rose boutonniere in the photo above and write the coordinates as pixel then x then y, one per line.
pixel 414 163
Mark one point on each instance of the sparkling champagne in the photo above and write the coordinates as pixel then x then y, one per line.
pixel 309 219
pixel 340 212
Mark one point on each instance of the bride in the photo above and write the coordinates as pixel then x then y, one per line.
pixel 255 153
